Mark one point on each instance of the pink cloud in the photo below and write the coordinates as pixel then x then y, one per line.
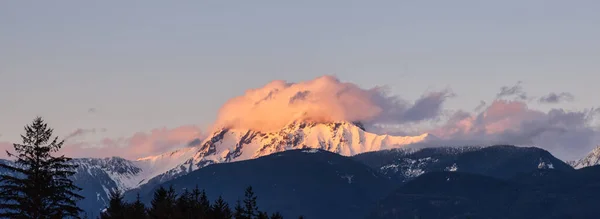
pixel 567 134
pixel 324 99
pixel 138 145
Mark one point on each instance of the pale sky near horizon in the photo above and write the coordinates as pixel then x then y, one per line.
pixel 142 65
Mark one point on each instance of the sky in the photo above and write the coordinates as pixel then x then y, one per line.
pixel 156 73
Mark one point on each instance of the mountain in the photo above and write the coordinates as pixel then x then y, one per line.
pixel 309 182
pixel 543 193
pixel 96 177
pixel 229 145
pixel 592 159
pixel 99 176
pixel 500 161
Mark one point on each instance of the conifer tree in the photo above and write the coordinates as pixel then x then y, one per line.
pixel 276 215
pixel 239 211
pixel 201 204
pixel 220 209
pixel 262 215
pixel 39 186
pixel 137 210
pixel 204 203
pixel 185 206
pixel 116 206
pixel 250 206
pixel 162 205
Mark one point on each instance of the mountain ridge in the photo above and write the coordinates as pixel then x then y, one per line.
pixel 100 175
pixel 230 144
pixel 592 159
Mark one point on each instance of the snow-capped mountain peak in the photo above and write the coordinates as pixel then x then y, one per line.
pixel 233 144
pixel 101 175
pixel 592 159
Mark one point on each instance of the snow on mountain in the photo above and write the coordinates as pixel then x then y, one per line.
pixel 592 159
pixel 228 145
pixel 121 171
pixel 98 176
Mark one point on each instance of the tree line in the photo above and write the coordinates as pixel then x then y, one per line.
pixel 38 185
pixel 187 205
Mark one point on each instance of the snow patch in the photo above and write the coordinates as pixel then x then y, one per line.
pixel 592 159
pixel 349 178
pixel 545 165
pixel 311 151
pixel 452 168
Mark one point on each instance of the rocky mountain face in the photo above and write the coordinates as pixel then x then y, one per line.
pixel 228 145
pixel 592 159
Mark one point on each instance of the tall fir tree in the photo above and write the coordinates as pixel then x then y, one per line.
pixel 117 208
pixel 137 210
pixel 39 186
pixel 163 203
pixel 220 209
pixel 250 206
pixel 185 206
pixel 204 203
pixel 239 211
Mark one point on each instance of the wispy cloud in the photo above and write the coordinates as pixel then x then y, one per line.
pixel 481 105
pixel 513 91
pixel 567 134
pixel 138 145
pixel 82 132
pixel 557 97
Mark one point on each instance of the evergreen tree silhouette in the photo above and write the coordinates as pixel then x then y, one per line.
pixel 116 207
pixel 163 203
pixel 276 215
pixel 137 210
pixel 39 186
pixel 262 215
pixel 250 206
pixel 239 211
pixel 185 205
pixel 220 210
pixel 204 204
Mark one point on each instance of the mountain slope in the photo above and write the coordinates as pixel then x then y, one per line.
pixel 500 161
pixel 228 145
pixel 543 193
pixel 99 176
pixel 96 177
pixel 592 159
pixel 309 182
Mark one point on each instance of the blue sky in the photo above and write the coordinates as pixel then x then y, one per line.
pixel 150 64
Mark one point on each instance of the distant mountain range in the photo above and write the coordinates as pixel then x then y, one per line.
pixel 500 161
pixel 319 170
pixel 544 193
